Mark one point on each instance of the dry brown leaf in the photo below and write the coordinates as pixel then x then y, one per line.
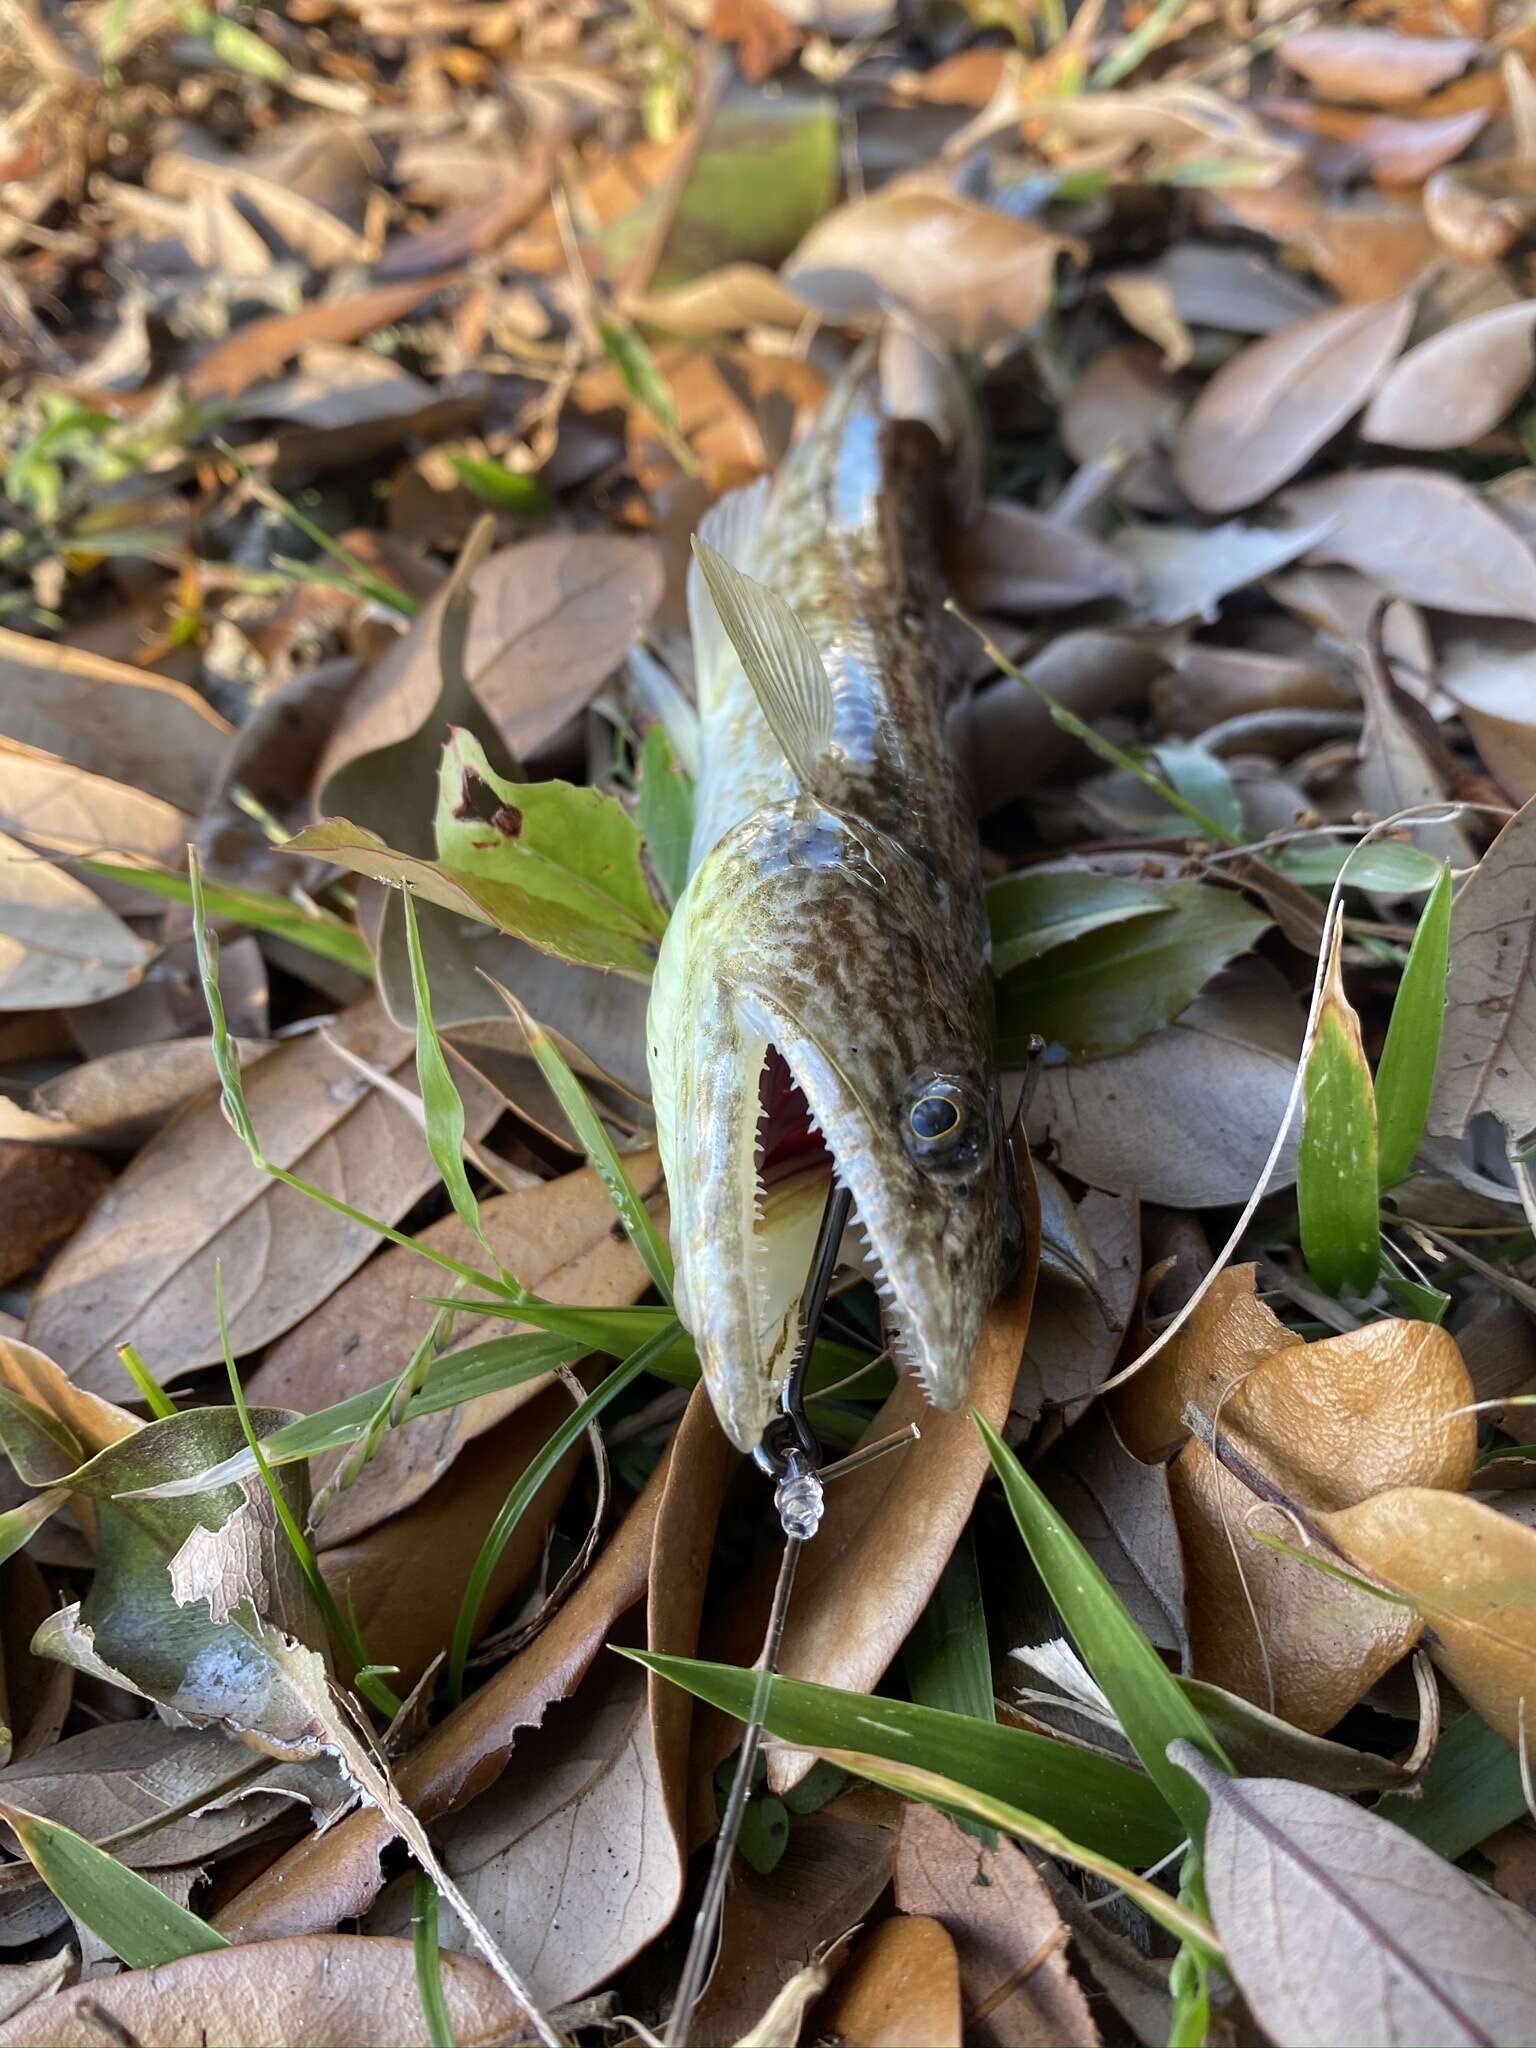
pixel 140 1269
pixel 1268 411
pixel 1146 302
pixel 32 1377
pixel 403 1579
pixel 45 1190
pixel 1017 1987
pixel 1377 64
pixel 1330 1424
pixel 724 301
pixel 1015 560
pixel 1230 1332
pixel 117 1101
pixel 1488 1050
pixel 1188 1116
pixel 1399 151
pixel 1403 763
pixel 261 347
pixel 837 1865
pixel 57 808
pixel 1478 211
pixel 1486 670
pixel 1211 683
pixel 558 1238
pixel 1370 247
pixel 551 619
pixel 1469 1572
pixel 1237 290
pixel 900 1985
pixel 978 276
pixel 1076 1331
pixel 111 719
pixel 20 1983
pixel 316 1991
pixel 663 1545
pixel 1423 536
pixel 1120 1510
pixel 1126 406
pixel 1458 385
pixel 60 946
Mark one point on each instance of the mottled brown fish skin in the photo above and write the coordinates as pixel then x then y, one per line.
pixel 847 928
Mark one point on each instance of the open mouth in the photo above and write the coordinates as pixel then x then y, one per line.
pixel 794 1160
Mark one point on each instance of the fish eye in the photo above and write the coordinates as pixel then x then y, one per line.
pixel 934 1118
pixel 945 1127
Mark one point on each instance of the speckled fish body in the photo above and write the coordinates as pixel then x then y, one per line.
pixel 841 925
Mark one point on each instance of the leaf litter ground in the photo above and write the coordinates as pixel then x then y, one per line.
pixel 367 372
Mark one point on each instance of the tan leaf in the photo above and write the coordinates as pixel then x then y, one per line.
pixel 261 347
pixel 1016 560
pixel 57 808
pixel 890 1528
pixel 318 1991
pixel 60 946
pixel 1269 409
pixel 837 1865
pixel 1017 1987
pixel 1377 64
pixel 1125 404
pixel 111 719
pixel 976 274
pixel 34 1378
pixel 1367 247
pixel 724 301
pixel 1424 536
pixel 1403 762
pixel 901 1984
pixel 558 1238
pixel 1147 303
pixel 1229 1333
pixel 45 1190
pixel 1485 669
pixel 1076 1331
pixel 1478 211
pixel 1488 1050
pixel 1470 1572
pixel 663 1544
pixel 1330 1424
pixel 1209 1091
pixel 140 1269
pixel 1399 151
pixel 403 1579
pixel 1458 385
pixel 117 1100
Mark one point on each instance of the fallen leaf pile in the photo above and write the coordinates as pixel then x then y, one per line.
pixel 378 1595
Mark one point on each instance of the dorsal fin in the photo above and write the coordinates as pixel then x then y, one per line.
pixel 782 665
pixel 730 526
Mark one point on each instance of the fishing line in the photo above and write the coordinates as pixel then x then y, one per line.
pixel 790 1455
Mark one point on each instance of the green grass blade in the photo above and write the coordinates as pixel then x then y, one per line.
pixel 598 1146
pixel 19 1525
pixel 429 1964
pixel 664 811
pixel 151 1393
pixel 1108 1806
pixel 136 1921
pixel 937 1790
pixel 1405 1073
pixel 1336 1192
pixel 1471 1790
pixel 946 1657
pixel 441 1102
pixel 527 1485
pixel 263 911
pixel 1144 1693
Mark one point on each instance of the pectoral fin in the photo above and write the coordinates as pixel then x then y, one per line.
pixel 781 662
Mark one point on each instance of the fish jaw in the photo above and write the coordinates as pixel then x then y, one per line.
pixel 800 934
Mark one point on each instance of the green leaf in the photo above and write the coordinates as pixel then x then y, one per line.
pixel 1110 1808
pixel 1031 913
pixel 1202 780
pixel 1106 991
pixel 1336 1193
pixel 442 1106
pixel 764 1834
pixel 527 1485
pixel 664 811
pixel 1471 1789
pixel 1146 1697
pixel 640 374
pixel 316 930
pixel 133 1917
pixel 509 490
pixel 946 1657
pixel 19 1525
pixel 429 1964
pixel 937 1790
pixel 1384 865
pixel 1405 1073
pixel 460 1377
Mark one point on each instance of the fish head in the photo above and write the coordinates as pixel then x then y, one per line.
pixel 823 1001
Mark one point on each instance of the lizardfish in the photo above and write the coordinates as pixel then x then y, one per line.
pixel 824 984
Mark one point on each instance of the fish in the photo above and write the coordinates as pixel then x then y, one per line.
pixel 822 998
